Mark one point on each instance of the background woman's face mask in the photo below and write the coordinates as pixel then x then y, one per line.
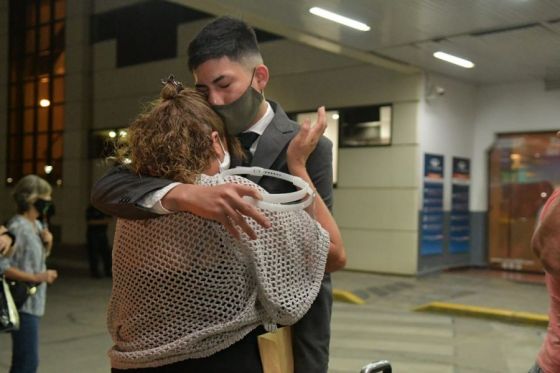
pixel 239 114
pixel 44 207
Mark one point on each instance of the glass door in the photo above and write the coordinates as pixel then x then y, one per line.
pixel 524 170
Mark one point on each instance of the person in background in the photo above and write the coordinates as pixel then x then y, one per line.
pixel 546 245
pixel 97 242
pixel 7 240
pixel 32 196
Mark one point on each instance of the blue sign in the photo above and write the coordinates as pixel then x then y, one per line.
pixel 459 225
pixel 433 166
pixel 432 217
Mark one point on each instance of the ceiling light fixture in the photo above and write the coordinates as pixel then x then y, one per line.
pixel 339 19
pixel 454 59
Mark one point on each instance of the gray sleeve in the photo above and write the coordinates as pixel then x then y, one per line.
pixel 21 240
pixel 4 264
pixel 319 167
pixel 119 192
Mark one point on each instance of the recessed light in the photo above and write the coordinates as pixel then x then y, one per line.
pixel 454 59
pixel 331 16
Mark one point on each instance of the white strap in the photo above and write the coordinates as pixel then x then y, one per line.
pixel 278 202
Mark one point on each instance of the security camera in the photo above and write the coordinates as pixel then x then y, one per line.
pixel 440 91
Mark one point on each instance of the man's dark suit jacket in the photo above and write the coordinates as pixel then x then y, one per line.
pixel 118 192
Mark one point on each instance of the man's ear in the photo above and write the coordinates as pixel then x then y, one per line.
pixel 261 77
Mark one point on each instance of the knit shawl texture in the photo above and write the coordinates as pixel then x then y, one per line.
pixel 184 288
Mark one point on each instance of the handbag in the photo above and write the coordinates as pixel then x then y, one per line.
pixel 276 352
pixel 21 290
pixel 9 315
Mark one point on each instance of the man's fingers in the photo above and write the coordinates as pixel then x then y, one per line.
pixel 242 223
pixel 232 210
pixel 230 228
pixel 303 130
pixel 321 117
pixel 238 221
pixel 321 125
pixel 246 191
pixel 250 211
pixel 246 209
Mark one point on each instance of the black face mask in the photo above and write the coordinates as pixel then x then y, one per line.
pixel 45 208
pixel 240 114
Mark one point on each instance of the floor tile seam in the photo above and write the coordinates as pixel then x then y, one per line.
pixel 392 345
pixel 409 321
pixel 384 353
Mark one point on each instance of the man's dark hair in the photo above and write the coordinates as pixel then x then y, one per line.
pixel 223 37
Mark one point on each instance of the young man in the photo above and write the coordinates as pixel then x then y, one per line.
pixel 228 69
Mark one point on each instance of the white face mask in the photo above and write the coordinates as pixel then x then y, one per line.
pixel 281 201
pixel 225 163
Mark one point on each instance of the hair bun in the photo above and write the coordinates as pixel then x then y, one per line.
pixel 171 88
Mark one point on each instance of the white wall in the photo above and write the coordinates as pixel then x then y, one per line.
pixel 447 124
pixel 6 206
pixel 518 107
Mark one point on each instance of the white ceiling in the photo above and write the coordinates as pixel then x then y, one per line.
pixel 508 40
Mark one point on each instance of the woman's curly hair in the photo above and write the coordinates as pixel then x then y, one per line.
pixel 172 138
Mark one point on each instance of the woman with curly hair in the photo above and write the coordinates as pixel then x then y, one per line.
pixel 187 296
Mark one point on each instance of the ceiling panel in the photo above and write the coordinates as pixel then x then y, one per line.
pixel 507 39
pixel 509 56
pixel 285 57
pixel 396 22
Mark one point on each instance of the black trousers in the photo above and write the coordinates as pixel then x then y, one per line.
pixel 241 357
pixel 311 335
pixel 98 250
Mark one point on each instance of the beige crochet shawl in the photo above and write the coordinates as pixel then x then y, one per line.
pixel 184 288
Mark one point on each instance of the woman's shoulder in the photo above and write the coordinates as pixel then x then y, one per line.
pixel 231 179
pixel 17 223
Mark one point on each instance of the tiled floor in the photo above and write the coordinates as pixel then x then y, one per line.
pixel 74 338
pixel 385 328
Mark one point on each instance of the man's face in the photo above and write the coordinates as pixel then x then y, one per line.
pixel 222 80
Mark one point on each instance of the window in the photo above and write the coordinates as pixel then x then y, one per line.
pixel 365 126
pixel 353 127
pixel 36 89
